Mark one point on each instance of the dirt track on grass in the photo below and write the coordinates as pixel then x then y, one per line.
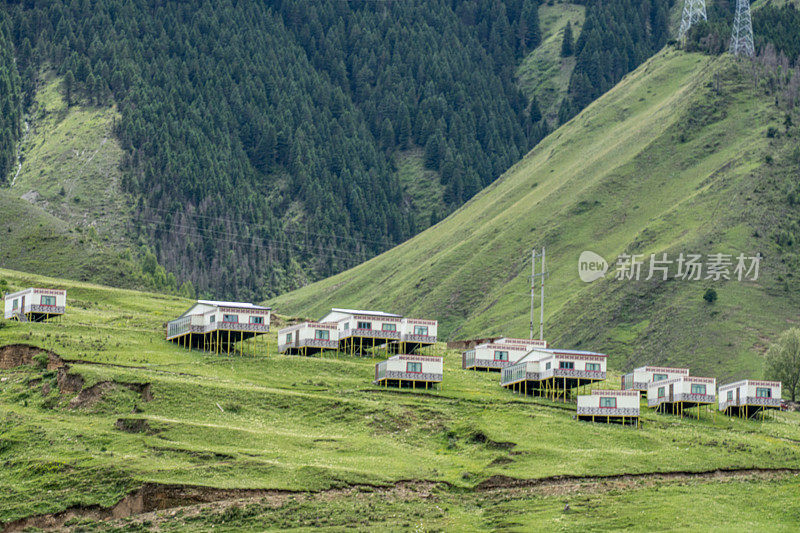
pixel 151 500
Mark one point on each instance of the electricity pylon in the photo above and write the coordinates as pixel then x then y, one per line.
pixel 693 11
pixel 742 35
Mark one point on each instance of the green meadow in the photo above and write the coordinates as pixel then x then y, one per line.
pixel 319 429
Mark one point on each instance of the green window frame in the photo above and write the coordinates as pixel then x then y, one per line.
pixel 730 395
pixel 500 355
pixel 569 365
pixel 662 391
pixel 389 327
pixel 659 377
pixel 763 392
pixel 49 300
pixel 698 388
pixel 257 320
pixel 322 334
pixel 420 330
pixel 608 402
pixel 593 367
pixel 288 338
pixel 231 319
pixel 414 368
pixel 364 325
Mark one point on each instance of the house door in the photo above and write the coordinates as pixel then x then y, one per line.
pixel 297 338
pixel 22 308
pixel 737 396
pixel 671 385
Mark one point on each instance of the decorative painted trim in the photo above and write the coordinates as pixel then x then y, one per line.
pixel 605 411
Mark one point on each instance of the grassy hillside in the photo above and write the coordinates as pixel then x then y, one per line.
pixel 187 428
pixel 544 74
pixel 673 159
pixel 71 163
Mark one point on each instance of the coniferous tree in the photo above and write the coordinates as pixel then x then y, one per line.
pixel 567 41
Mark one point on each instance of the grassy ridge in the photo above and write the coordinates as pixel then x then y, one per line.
pixel 670 160
pixel 302 423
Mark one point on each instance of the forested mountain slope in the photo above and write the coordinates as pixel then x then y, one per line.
pixel 684 155
pixel 269 144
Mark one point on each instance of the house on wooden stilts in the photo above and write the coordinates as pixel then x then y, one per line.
pixel 35 304
pixel 610 406
pixel 641 377
pixel 309 338
pixel 410 370
pixel 360 332
pixel 676 395
pixel 220 327
pixel 554 373
pixel 494 356
pixel 749 398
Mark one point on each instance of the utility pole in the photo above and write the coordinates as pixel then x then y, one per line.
pixel 693 11
pixel 534 275
pixel 742 34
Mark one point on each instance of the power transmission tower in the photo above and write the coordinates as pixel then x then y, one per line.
pixel 693 11
pixel 534 275
pixel 742 35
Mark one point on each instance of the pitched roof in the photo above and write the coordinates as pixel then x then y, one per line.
pixel 364 312
pixel 243 305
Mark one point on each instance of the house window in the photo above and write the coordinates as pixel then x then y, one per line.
pixel 212 319
pixel 593 367
pixel 322 334
pixel 256 319
pixel 763 392
pixel 659 377
pixel 389 327
pixel 698 389
pixel 14 305
pixel 288 338
pixel 49 300
pixel 347 325
pixel 230 318
pixel 566 364
pixel 730 395
pixel 364 325
pixel 420 330
pixel 609 403
pixel 662 392
pixel 414 368
pixel 500 355
pixel 547 366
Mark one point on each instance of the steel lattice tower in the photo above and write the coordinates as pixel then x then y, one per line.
pixel 742 35
pixel 693 11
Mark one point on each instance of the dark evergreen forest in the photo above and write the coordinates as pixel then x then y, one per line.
pixel 261 137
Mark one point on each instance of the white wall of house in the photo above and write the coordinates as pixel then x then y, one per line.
pixel 683 388
pixel 411 367
pixel 641 377
pixel 600 398
pixel 420 326
pixel 750 392
pixel 301 334
pixel 34 299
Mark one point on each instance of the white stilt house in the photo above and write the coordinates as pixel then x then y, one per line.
pixel 410 370
pixel 678 394
pixel 218 326
pixel 357 331
pixel 498 354
pixel 308 338
pixel 748 398
pixel 641 377
pixel 554 373
pixel 611 406
pixel 35 304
